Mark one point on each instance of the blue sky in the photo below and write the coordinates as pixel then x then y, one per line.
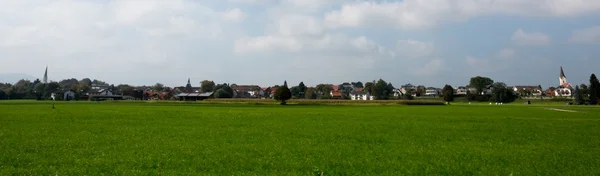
pixel 264 42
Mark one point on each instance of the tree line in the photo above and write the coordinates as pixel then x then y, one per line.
pixel 380 90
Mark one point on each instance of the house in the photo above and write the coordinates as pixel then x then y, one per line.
pixel 530 90
pixel 360 94
pixel 155 95
pixel 432 91
pixel 397 93
pixel 461 90
pixel 69 95
pixel 336 94
pixel 247 91
pixel 194 96
pixel 273 90
pixel 550 92
pixel 407 88
pixel 103 94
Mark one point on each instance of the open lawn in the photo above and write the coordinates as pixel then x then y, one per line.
pixel 95 138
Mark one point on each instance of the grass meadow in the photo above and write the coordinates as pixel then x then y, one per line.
pixel 108 138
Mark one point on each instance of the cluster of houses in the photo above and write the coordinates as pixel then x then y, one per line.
pixel 190 93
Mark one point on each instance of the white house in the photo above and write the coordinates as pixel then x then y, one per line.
pixel 397 93
pixel 535 90
pixel 461 90
pixel 360 94
pixel 432 92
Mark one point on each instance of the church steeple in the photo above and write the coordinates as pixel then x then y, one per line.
pixel 562 78
pixel 45 80
pixel 188 87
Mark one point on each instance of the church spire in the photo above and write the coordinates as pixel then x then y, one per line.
pixel 188 87
pixel 46 76
pixel 563 78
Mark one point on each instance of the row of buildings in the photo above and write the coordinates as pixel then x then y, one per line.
pixel 188 92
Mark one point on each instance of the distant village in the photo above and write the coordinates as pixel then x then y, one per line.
pixel 86 89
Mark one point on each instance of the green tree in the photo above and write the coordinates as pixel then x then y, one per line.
pixel 126 90
pixel 448 93
pixel 311 93
pixel 578 96
pixel 67 83
pixel 207 86
pixel 227 91
pixel 86 81
pixel 357 84
pixel 98 82
pixel 222 94
pixel 421 90
pixel 383 90
pixel 295 92
pixel 345 89
pixel 51 88
pixel 501 93
pixel 370 87
pixel 594 89
pixel 3 95
pixel 323 89
pixel 39 90
pixel 301 90
pixel 283 93
pixel 158 87
pixel 480 83
pixel 584 90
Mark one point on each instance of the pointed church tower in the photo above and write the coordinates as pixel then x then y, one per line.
pixel 45 81
pixel 188 87
pixel 562 78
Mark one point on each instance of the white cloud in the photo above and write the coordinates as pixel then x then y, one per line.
pixel 507 53
pixel 433 67
pixel 234 15
pixel 326 45
pixel 298 25
pixel 478 65
pixel 120 35
pixel 426 13
pixel 413 49
pixel 523 38
pixel 588 35
pixel 305 35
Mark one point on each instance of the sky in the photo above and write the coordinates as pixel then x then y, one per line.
pixel 264 42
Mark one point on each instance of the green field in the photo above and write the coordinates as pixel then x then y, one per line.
pixel 107 138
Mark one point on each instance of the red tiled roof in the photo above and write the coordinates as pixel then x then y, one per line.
pixel 336 93
pixel 566 85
